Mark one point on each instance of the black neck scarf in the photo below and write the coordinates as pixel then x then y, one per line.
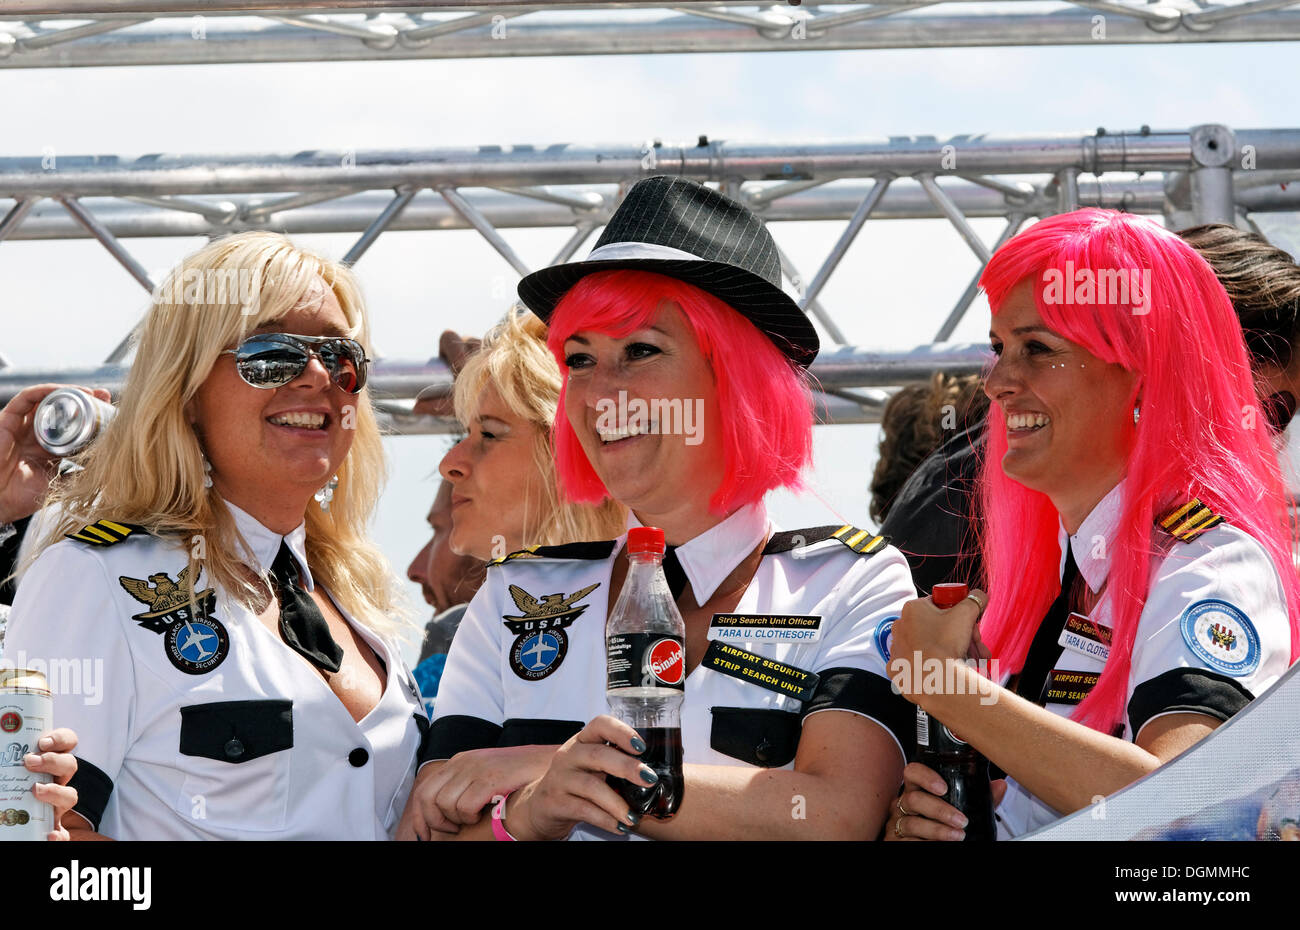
pixel 301 623
pixel 1045 649
pixel 674 572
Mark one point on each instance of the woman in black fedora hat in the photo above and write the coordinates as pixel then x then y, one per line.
pixel 686 398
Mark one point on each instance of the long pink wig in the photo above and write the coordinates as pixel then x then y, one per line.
pixel 1201 433
pixel 764 398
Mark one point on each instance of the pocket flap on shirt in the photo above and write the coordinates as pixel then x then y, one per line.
pixel 236 731
pixel 757 735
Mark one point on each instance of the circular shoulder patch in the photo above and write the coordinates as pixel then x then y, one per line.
pixel 1221 636
pixel 885 636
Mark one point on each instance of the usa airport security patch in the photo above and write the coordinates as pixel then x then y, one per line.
pixel 194 640
pixel 541 642
pixel 1221 636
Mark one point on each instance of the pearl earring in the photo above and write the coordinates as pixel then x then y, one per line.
pixel 326 494
pixel 207 470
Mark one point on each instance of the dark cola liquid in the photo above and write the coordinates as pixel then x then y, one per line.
pixel 966 773
pixel 663 753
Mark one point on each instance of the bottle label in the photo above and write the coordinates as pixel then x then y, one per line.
pixel 645 660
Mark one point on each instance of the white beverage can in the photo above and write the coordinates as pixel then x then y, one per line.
pixel 26 711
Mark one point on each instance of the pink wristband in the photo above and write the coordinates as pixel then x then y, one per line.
pixel 499 830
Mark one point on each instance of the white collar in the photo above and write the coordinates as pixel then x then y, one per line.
pixel 263 544
pixel 1093 543
pixel 710 557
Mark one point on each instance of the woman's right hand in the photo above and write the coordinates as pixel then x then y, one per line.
pixel 928 816
pixel 573 789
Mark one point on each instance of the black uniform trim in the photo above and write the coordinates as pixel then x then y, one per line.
pixel 862 542
pixel 524 731
pixel 94 788
pixel 590 551
pixel 236 731
pixel 1187 690
pixel 868 694
pixel 457 733
pixel 105 532
pixel 760 736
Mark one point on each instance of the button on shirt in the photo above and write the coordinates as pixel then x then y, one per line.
pixel 1181 663
pixel 491 695
pixel 194 730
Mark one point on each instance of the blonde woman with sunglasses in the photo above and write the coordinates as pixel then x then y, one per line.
pixel 209 572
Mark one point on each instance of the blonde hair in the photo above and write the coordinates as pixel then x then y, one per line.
pixel 148 466
pixel 514 359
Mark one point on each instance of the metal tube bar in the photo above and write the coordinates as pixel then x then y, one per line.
pixel 106 239
pixel 1212 195
pixel 1067 189
pixel 813 306
pixel 846 239
pixel 954 214
pixel 390 213
pixel 756 21
pixel 1018 190
pixel 584 201
pixel 1159 16
pixel 529 166
pixel 1217 14
pixel 217 213
pixel 423 34
pixel 819 25
pixel 14 218
pixel 762 198
pixel 69 33
pixel 945 332
pixel 380 35
pixel 476 219
pixel 260 211
pixel 574 242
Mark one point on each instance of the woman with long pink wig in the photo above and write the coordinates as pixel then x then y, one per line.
pixel 686 398
pixel 1141 587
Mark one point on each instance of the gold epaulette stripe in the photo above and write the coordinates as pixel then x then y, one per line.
pixel 1190 520
pixel 520 554
pixel 860 541
pixel 103 533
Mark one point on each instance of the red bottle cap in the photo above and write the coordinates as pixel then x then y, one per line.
pixel 949 595
pixel 645 539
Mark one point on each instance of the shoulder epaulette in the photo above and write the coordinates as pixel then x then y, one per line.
pixel 579 550
pixel 860 541
pixel 1189 520
pixel 105 532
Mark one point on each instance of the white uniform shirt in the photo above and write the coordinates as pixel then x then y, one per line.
pixel 1213 634
pixel 213 730
pixel 497 691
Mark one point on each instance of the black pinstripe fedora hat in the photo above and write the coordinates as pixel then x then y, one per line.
pixel 684 230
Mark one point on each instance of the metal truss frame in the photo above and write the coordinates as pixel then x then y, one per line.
pixel 73 33
pixel 1209 173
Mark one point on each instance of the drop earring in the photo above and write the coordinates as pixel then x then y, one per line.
pixel 1136 414
pixel 207 470
pixel 326 494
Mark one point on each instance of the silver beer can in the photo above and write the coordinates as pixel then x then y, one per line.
pixel 67 420
pixel 26 711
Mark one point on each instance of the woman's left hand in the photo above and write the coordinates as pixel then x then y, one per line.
pixel 935 633
pixel 56 759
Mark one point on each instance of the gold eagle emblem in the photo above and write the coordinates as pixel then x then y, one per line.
pixel 551 605
pixel 160 594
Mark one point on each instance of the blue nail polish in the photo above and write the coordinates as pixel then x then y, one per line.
pixel 649 775
pixel 624 828
pixel 638 744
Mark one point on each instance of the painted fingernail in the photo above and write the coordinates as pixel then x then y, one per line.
pixel 624 828
pixel 633 818
pixel 638 744
pixel 649 775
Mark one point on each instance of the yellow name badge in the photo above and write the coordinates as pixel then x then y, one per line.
pixel 1065 686
pixel 757 670
pixel 1086 637
pixel 765 628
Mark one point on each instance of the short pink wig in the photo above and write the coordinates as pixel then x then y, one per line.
pixel 765 399
pixel 1201 433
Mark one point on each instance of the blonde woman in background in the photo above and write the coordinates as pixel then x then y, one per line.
pixel 505 497
pixel 250 686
